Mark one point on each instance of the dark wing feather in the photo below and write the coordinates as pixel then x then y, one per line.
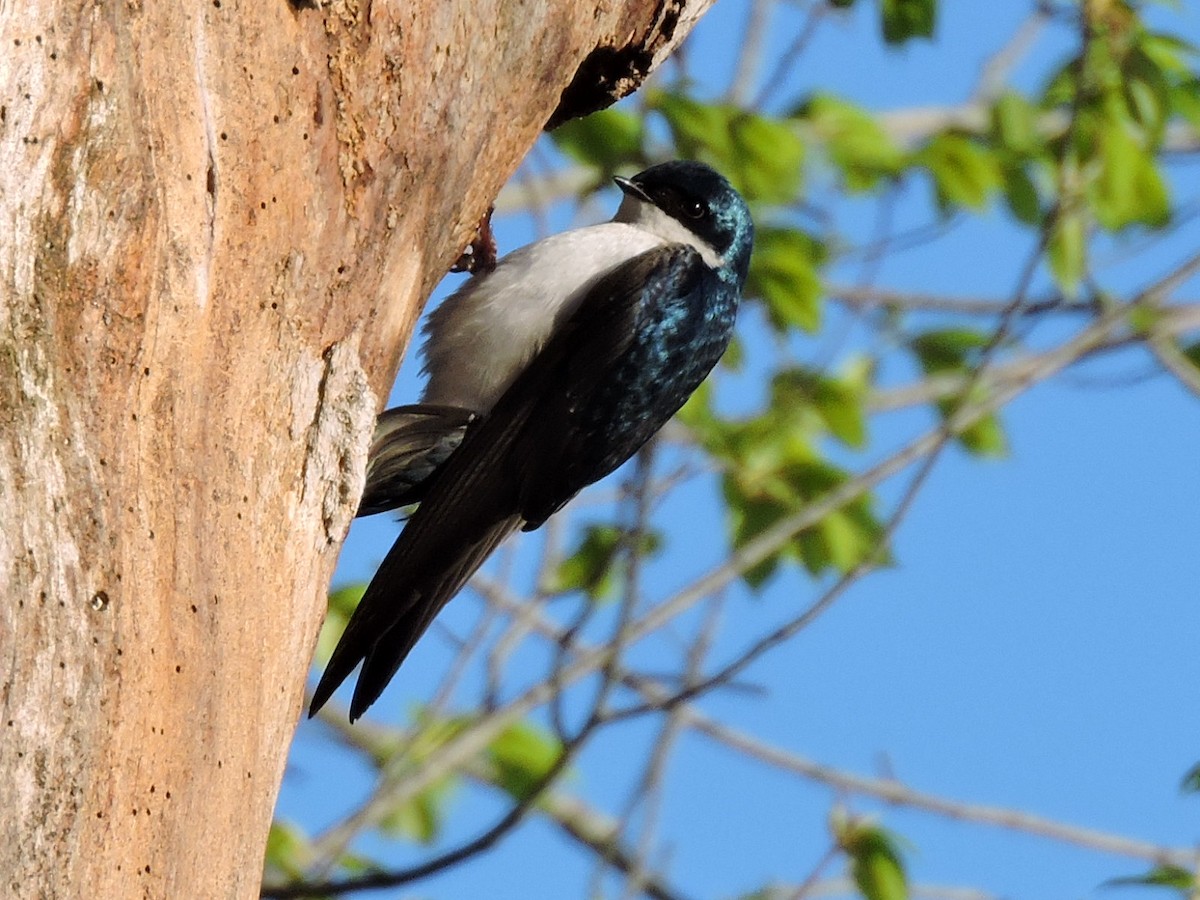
pixel 614 395
pixel 390 649
pixel 507 462
pixel 409 444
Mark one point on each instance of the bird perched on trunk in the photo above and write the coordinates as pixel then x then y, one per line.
pixel 545 375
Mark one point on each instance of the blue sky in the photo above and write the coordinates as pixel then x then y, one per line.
pixel 1034 647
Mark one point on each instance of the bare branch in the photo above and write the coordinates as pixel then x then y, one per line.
pixel 894 792
pixel 915 125
pixel 870 297
pixel 588 827
pixel 478 845
pixel 995 71
pixel 601 835
pixel 889 790
pixel 649 790
pixel 1173 360
pixel 792 54
pixel 750 52
pixel 844 887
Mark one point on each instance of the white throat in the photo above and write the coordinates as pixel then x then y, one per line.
pixel 645 215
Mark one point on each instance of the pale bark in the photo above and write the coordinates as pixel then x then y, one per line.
pixel 218 222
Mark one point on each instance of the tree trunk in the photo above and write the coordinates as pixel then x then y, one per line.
pixel 218 222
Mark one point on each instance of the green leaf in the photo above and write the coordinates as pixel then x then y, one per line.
pixel 607 140
pixel 698 129
pixel 1185 100
pixel 784 275
pixel 342 602
pixel 522 756
pixel 1155 207
pixel 749 517
pixel 964 172
pixel 876 864
pixel 763 157
pixel 845 542
pixel 595 566
pixel 768 163
pixel 1147 72
pixel 289 851
pixel 1060 89
pixel 773 470
pixel 853 140
pixel 420 818
pixel 1021 195
pixel 1191 781
pixel 838 402
pixel 906 19
pixel 1066 251
pixel 698 416
pixel 1160 876
pixel 879 876
pixel 590 567
pixel 1128 188
pixel 775 484
pixel 948 349
pixel 847 536
pixel 958 350
pixel 1143 320
pixel 843 413
pixel 432 733
pixel 984 438
pixel 735 355
pixel 1168 52
pixel 1014 124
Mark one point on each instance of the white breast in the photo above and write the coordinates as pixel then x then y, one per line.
pixel 488 330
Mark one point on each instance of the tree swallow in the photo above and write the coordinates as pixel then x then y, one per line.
pixel 545 375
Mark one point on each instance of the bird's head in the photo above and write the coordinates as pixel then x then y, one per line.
pixel 689 202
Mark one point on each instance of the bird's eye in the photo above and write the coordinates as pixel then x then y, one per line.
pixel 695 209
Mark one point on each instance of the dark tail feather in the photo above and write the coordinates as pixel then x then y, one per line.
pixel 468 505
pixel 386 625
pixel 388 653
pixel 409 445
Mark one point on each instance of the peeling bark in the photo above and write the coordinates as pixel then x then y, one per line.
pixel 218 222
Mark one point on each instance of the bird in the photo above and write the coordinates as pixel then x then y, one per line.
pixel 544 375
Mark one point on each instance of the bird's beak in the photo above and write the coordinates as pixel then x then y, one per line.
pixel 632 189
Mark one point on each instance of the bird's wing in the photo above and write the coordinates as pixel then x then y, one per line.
pixel 608 392
pixel 475 500
pixel 409 444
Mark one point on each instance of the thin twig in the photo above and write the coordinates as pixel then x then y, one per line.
pixel 865 298
pixel 480 844
pixel 888 789
pixel 649 790
pixel 894 792
pixel 750 51
pixel 788 59
pixel 809 886
pixel 995 71
pixel 466 651
pixel 1175 362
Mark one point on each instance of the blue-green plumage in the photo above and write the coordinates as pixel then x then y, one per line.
pixel 610 360
pixel 682 321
